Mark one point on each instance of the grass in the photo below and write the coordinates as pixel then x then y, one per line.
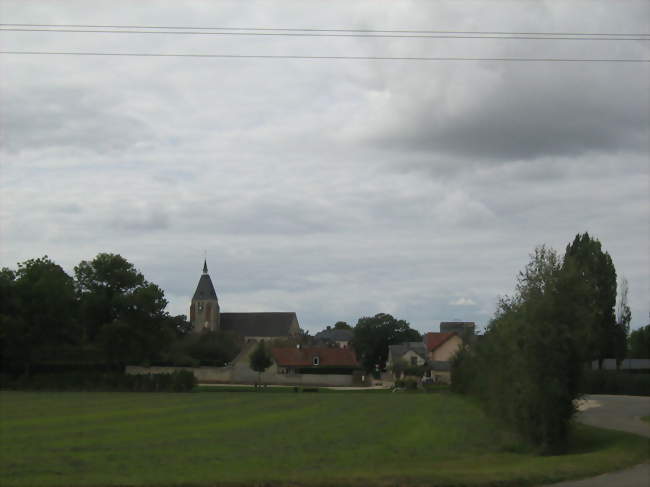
pixel 148 439
pixel 646 419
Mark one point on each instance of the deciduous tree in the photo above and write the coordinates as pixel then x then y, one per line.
pixel 373 335
pixel 596 271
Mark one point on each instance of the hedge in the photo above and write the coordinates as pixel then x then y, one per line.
pixel 177 381
pixel 615 382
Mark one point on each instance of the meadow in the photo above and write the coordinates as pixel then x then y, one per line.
pixel 244 438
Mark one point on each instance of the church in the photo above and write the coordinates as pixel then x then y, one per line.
pixel 205 315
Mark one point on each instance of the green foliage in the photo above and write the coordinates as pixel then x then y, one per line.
pixel 408 383
pixel 640 343
pixel 342 325
pixel 615 382
pixel 47 317
pixel 212 348
pixel 260 359
pixel 38 311
pixel 596 272
pixel 526 368
pixel 373 335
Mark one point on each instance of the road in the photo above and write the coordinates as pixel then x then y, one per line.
pixel 619 413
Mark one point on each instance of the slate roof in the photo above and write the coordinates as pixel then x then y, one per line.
pixel 258 324
pixel 398 351
pixel 434 340
pixel 205 289
pixel 303 357
pixel 335 335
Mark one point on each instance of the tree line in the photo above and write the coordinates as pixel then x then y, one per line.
pixel 106 315
pixel 527 367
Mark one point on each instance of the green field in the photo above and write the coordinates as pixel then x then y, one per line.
pixel 96 439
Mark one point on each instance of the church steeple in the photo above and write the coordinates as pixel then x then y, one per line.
pixel 204 309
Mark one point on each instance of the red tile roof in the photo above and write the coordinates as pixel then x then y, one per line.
pixel 304 357
pixel 434 340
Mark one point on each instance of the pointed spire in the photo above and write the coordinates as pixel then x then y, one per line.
pixel 205 267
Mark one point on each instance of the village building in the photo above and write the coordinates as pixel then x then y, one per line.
pixel 441 347
pixel 410 354
pixel 205 315
pixel 315 360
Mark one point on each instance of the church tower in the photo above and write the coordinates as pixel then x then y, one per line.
pixel 204 310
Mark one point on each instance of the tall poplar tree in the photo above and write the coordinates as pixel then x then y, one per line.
pixel 596 271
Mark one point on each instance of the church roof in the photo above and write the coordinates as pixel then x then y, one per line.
pixel 258 324
pixel 205 289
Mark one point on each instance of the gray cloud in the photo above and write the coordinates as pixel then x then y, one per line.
pixel 334 189
pixel 65 117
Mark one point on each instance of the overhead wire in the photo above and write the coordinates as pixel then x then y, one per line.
pixel 293 29
pixel 312 34
pixel 288 56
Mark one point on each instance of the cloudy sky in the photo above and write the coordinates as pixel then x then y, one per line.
pixel 333 188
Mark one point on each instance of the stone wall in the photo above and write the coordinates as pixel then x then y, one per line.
pixel 245 375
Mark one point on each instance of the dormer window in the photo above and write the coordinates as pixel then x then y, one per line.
pixel 316 360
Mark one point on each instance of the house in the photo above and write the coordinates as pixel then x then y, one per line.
pixel 410 354
pixel 334 337
pixel 315 360
pixel 205 315
pixel 441 347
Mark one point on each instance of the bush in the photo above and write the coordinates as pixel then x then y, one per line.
pixel 408 383
pixel 615 382
pixel 526 368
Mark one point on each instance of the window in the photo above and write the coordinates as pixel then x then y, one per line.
pixel 316 360
pixel 200 306
pixel 414 361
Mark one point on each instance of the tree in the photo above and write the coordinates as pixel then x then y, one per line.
pixel 342 325
pixel 373 335
pixel 596 270
pixel 640 343
pixel 260 360
pixel 102 285
pixel 526 368
pixel 623 318
pixel 122 311
pixel 38 315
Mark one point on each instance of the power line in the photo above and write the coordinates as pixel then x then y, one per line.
pixel 282 56
pixel 312 34
pixel 402 31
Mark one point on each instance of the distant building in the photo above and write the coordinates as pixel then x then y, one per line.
pixel 205 315
pixel 315 360
pixel 460 327
pixel 441 347
pixel 411 354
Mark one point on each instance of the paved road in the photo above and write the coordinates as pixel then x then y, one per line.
pixel 619 413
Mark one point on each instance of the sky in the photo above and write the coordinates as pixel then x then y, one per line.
pixel 333 188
